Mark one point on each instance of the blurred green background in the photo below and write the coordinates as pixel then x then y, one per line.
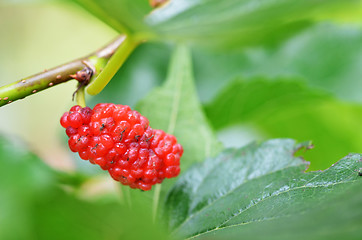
pixel 301 81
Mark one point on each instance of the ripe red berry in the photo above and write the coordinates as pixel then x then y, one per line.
pixel 121 141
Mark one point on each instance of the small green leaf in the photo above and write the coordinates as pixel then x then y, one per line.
pixel 256 183
pixel 175 108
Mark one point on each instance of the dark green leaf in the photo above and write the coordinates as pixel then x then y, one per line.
pixel 337 218
pixel 253 184
pixel 287 108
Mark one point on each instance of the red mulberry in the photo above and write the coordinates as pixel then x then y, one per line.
pixel 121 141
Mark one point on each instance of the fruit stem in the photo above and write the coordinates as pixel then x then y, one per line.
pixel 60 74
pixel 156 197
pixel 81 97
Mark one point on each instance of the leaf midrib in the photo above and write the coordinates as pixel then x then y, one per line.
pixel 175 106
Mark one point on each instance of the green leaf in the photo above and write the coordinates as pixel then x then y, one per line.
pixel 287 108
pixel 175 108
pixel 253 184
pixel 122 15
pixel 326 56
pixel 34 206
pixel 229 22
pixel 259 98
pixel 216 23
pixel 337 218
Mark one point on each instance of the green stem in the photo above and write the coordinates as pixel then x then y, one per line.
pixel 38 82
pixel 112 66
pixel 81 97
pixel 49 78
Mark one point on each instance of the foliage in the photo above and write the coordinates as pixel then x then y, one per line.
pixel 264 182
pixel 289 69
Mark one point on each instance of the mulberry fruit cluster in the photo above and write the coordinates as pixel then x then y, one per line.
pixel 121 141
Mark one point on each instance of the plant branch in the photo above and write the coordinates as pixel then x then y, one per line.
pixel 60 74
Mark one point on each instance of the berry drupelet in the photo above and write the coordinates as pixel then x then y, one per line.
pixel 121 141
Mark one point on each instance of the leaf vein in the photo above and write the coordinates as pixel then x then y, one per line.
pixel 273 218
pixel 285 191
pixel 226 194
